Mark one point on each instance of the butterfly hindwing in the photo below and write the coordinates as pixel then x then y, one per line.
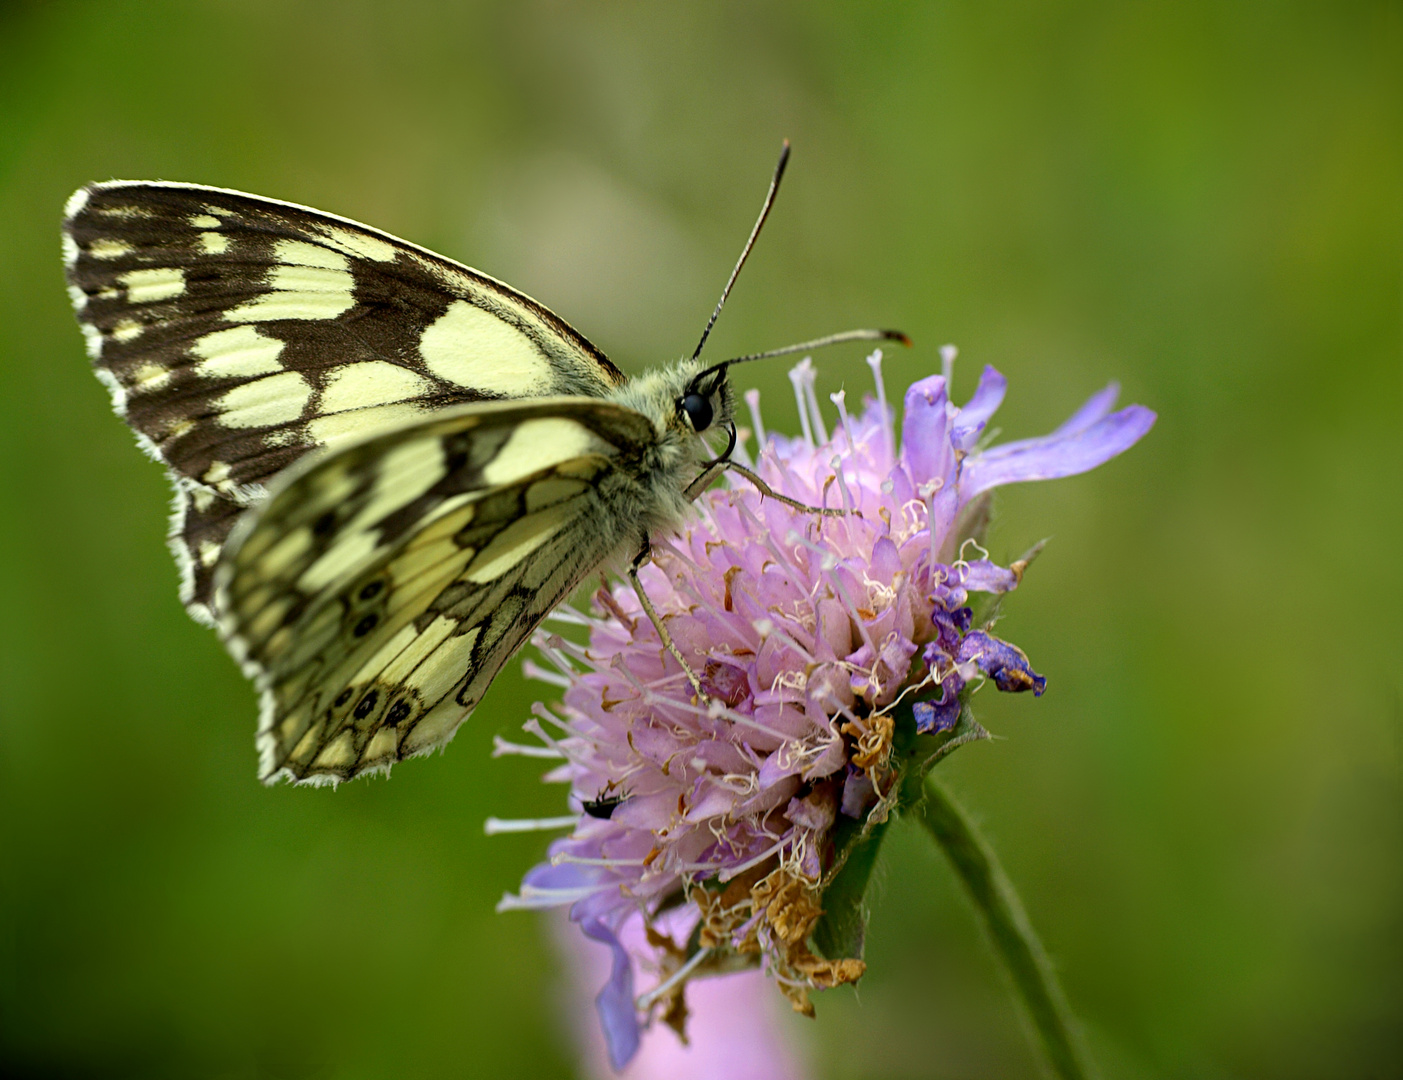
pixel 381 587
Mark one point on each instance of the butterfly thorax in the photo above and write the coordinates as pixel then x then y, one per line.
pixel 679 453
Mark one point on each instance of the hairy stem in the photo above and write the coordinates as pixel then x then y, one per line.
pixel 1009 930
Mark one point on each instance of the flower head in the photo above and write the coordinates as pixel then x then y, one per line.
pixel 711 821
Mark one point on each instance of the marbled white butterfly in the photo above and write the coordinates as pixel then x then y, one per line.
pixel 388 467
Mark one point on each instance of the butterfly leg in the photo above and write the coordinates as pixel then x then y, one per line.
pixel 656 620
pixel 771 493
pixel 720 464
pixel 702 482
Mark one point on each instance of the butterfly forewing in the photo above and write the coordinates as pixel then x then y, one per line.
pixel 379 589
pixel 200 525
pixel 236 333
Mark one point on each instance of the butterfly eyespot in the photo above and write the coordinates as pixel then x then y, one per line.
pixel 342 698
pixel 367 705
pixel 366 625
pixel 697 410
pixel 400 710
pixel 371 591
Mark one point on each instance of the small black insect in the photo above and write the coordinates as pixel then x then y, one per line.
pixel 603 806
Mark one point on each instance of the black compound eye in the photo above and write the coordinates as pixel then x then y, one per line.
pixel 698 411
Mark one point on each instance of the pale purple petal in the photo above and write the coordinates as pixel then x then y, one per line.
pixel 983 576
pixel 925 432
pixel 936 716
pixel 618 1019
pixel 969 424
pixel 1055 455
pixel 858 793
pixel 1097 406
pixel 565 875
pixel 944 507
pixel 1006 664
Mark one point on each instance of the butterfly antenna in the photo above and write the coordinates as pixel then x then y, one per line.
pixel 745 254
pixel 807 346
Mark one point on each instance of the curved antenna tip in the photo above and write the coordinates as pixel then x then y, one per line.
pixel 897 335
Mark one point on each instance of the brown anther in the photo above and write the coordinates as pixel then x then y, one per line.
pixel 826 974
pixel 728 576
pixel 604 597
pixel 799 998
pixel 790 905
pixel 675 1015
pixel 873 750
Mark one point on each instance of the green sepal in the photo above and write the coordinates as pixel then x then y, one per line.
pixel 842 928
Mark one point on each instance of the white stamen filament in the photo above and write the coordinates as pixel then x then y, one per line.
pixel 928 492
pixel 581 742
pixel 719 710
pixel 667 546
pixel 582 860
pixel 796 378
pixel 502 748
pixel 837 465
pixel 827 559
pixel 561 652
pixel 752 401
pixel 930 678
pixel 533 727
pixel 840 399
pixel 771 630
pixel 533 670
pixel 766 538
pixel 496 826
pixel 875 363
pixel 810 378
pixel 571 617
pixel 970 542
pixel 553 649
pixel 989 437
pixel 532 897
pixel 645 1001
pixel 947 365
pixel 733 871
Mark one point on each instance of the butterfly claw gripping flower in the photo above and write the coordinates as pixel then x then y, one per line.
pixel 828 648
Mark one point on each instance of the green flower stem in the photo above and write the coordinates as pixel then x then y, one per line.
pixel 1009 930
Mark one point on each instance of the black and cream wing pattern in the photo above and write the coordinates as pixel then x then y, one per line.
pixel 238 333
pixel 386 464
pixel 379 590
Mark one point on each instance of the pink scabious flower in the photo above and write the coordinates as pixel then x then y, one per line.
pixel 710 823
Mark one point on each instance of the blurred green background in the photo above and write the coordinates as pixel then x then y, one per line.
pixel 1204 813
